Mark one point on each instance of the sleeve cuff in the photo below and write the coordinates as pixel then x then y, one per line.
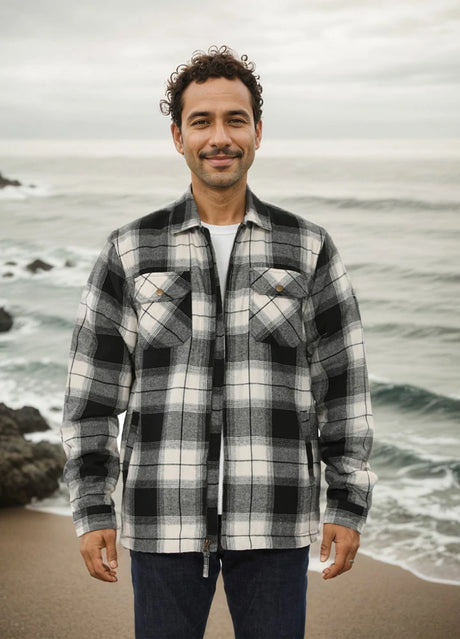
pixel 94 518
pixel 345 518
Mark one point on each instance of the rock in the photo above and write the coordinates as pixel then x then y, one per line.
pixel 8 427
pixel 27 470
pixel 27 418
pixel 69 263
pixel 39 265
pixel 8 274
pixel 6 182
pixel 11 263
pixel 6 321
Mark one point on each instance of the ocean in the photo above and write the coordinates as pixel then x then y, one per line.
pixel 393 210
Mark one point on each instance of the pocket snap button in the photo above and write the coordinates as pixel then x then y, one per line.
pixel 159 291
pixel 279 288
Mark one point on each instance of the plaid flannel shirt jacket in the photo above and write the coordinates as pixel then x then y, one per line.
pixel 281 373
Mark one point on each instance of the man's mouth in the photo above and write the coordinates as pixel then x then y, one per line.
pixel 220 160
pixel 220 157
pixel 220 152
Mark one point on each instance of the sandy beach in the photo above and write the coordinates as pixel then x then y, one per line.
pixel 46 593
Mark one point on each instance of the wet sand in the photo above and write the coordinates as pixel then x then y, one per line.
pixel 46 593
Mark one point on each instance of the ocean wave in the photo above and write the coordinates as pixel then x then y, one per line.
pixel 415 515
pixel 25 192
pixel 55 321
pixel 413 398
pixel 45 366
pixel 427 555
pixel 435 472
pixel 22 326
pixel 39 384
pixel 381 204
pixel 443 333
pixel 70 266
pixel 395 270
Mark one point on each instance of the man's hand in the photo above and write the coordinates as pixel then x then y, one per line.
pixel 91 545
pixel 346 546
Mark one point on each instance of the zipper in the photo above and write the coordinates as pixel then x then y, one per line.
pixel 205 231
pixel 206 554
pixel 215 277
pixel 215 274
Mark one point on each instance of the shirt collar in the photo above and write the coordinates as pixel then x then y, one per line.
pixel 185 216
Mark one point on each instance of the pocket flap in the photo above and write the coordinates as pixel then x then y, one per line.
pixel 278 281
pixel 161 286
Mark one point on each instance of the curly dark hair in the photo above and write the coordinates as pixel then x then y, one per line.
pixel 218 62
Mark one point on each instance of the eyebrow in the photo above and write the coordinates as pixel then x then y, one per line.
pixel 200 114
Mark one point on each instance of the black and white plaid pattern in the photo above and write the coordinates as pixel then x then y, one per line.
pixel 282 372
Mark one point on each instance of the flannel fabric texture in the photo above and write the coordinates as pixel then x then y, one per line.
pixel 281 373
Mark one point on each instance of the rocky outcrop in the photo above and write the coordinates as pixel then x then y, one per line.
pixel 35 266
pixel 6 321
pixel 4 181
pixel 8 273
pixel 27 470
pixel 38 265
pixel 28 419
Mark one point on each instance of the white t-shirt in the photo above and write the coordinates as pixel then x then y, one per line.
pixel 222 237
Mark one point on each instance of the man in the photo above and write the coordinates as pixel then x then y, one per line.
pixel 228 331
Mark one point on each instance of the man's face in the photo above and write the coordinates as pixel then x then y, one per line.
pixel 217 137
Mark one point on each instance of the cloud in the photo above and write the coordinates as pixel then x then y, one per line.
pixel 99 69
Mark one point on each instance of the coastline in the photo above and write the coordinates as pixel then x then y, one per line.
pixel 46 593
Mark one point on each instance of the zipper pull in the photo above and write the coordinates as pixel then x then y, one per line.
pixel 206 554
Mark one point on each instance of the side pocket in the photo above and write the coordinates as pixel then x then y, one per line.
pixel 309 429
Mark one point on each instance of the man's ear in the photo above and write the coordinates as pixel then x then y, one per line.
pixel 177 138
pixel 258 133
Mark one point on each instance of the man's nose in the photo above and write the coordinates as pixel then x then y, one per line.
pixel 219 135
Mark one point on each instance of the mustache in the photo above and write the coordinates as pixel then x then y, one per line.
pixel 224 151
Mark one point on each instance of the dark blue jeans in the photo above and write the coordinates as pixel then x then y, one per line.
pixel 266 592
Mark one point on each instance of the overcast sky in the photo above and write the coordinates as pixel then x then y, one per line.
pixel 329 68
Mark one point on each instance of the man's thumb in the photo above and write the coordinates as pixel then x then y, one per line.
pixel 111 550
pixel 325 546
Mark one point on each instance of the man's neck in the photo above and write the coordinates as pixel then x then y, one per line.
pixel 220 206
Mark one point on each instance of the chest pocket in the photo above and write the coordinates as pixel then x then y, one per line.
pixel 275 305
pixel 165 307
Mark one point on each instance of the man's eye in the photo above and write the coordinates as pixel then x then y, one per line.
pixel 199 122
pixel 237 121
